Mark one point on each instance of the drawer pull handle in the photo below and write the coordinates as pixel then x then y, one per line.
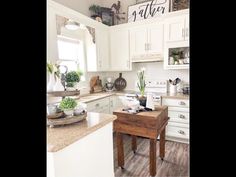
pixel 181 116
pixel 182 103
pixel 181 132
pixel 97 104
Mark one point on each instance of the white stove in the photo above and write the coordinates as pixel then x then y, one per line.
pixel 156 87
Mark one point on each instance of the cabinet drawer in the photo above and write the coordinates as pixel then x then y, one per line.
pixel 98 104
pixel 177 131
pixel 175 102
pixel 177 116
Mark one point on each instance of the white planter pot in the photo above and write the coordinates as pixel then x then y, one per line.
pixel 58 86
pixel 69 112
pixel 50 83
pixel 70 89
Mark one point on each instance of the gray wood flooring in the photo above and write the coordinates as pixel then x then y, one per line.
pixel 175 164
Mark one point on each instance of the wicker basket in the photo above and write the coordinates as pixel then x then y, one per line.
pixel 66 120
pixel 64 93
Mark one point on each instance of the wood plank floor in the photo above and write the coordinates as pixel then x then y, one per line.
pixel 175 164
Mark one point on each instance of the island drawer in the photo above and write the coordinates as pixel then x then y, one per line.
pixel 177 116
pixel 177 130
pixel 175 102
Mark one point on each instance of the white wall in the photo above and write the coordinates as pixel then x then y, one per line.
pixel 154 71
pixel 81 6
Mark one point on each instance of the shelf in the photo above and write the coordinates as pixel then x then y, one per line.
pixel 64 93
pixel 185 66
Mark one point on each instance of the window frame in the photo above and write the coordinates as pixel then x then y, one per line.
pixel 69 38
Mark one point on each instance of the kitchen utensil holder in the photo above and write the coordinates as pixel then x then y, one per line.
pixel 173 88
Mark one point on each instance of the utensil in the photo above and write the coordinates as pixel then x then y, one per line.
pixel 177 80
pixel 170 81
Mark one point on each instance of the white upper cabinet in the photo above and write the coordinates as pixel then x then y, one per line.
pixel 146 43
pixel 177 28
pixel 176 46
pixel 102 43
pixel 52 52
pixel 186 27
pixel 119 49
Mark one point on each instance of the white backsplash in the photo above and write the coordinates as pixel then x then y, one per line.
pixel 154 71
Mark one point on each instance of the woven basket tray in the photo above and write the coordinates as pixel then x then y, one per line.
pixel 66 120
pixel 64 93
pixel 56 115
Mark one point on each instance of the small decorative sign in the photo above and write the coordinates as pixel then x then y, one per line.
pixel 147 10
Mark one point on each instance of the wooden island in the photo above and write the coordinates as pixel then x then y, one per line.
pixel 149 124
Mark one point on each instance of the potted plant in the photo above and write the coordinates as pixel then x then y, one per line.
pixel 67 105
pixel 96 10
pixel 141 85
pixel 176 55
pixel 72 78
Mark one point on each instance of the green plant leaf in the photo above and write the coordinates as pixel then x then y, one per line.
pixel 50 68
pixel 67 103
pixel 72 76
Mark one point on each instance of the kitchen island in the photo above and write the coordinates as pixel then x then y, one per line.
pixel 81 149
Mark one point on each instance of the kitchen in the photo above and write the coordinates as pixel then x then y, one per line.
pixel 105 52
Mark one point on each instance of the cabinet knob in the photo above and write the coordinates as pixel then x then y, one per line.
pixel 97 104
pixel 181 132
pixel 182 103
pixel 181 116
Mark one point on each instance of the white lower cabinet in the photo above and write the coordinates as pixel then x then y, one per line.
pixel 104 105
pixel 178 125
pixel 101 106
pixel 115 103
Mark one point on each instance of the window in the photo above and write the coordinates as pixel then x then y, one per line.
pixel 71 54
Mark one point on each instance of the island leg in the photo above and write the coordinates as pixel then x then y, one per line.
pixel 134 143
pixel 120 149
pixel 152 158
pixel 162 144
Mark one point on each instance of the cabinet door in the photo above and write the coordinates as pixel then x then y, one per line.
pixel 101 106
pixel 138 41
pixel 155 39
pixel 187 27
pixel 102 42
pixel 115 103
pixel 119 48
pixel 52 51
pixel 112 104
pixel 175 28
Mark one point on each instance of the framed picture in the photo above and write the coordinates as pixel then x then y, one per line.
pixel 147 10
pixel 176 5
pixel 107 16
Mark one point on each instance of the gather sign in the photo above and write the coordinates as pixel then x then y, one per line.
pixel 146 10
